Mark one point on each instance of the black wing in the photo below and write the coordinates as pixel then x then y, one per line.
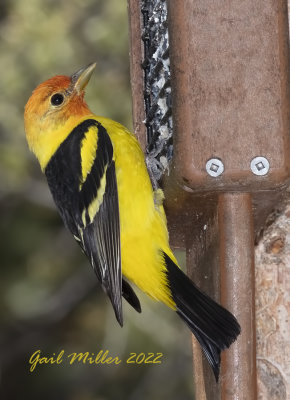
pixel 101 241
pixel 90 209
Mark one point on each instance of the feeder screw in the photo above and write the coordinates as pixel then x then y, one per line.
pixel 260 166
pixel 214 167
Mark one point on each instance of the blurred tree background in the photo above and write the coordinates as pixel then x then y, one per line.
pixel 50 299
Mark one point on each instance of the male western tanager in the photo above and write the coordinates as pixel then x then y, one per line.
pixel 98 179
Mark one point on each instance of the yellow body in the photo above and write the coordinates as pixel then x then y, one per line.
pixel 143 222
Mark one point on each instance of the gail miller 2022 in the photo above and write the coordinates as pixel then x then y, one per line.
pixel 102 357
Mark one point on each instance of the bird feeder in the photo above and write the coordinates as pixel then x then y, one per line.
pixel 210 85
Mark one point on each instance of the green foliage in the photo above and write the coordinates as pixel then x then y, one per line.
pixel 49 295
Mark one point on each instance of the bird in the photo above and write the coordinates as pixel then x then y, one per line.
pixel 97 175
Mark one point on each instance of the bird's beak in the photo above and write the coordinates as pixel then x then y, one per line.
pixel 81 78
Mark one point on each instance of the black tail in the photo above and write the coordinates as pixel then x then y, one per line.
pixel 213 326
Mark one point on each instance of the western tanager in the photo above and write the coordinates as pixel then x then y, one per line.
pixel 97 175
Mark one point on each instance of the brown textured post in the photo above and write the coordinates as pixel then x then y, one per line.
pixel 198 376
pixel 273 308
pixel 202 260
pixel 238 377
pixel 137 80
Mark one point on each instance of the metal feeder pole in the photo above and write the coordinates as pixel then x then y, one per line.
pixel 229 64
pixel 237 279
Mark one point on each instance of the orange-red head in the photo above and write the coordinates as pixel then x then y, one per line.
pixel 55 107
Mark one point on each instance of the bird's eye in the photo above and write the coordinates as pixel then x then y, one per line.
pixel 57 99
